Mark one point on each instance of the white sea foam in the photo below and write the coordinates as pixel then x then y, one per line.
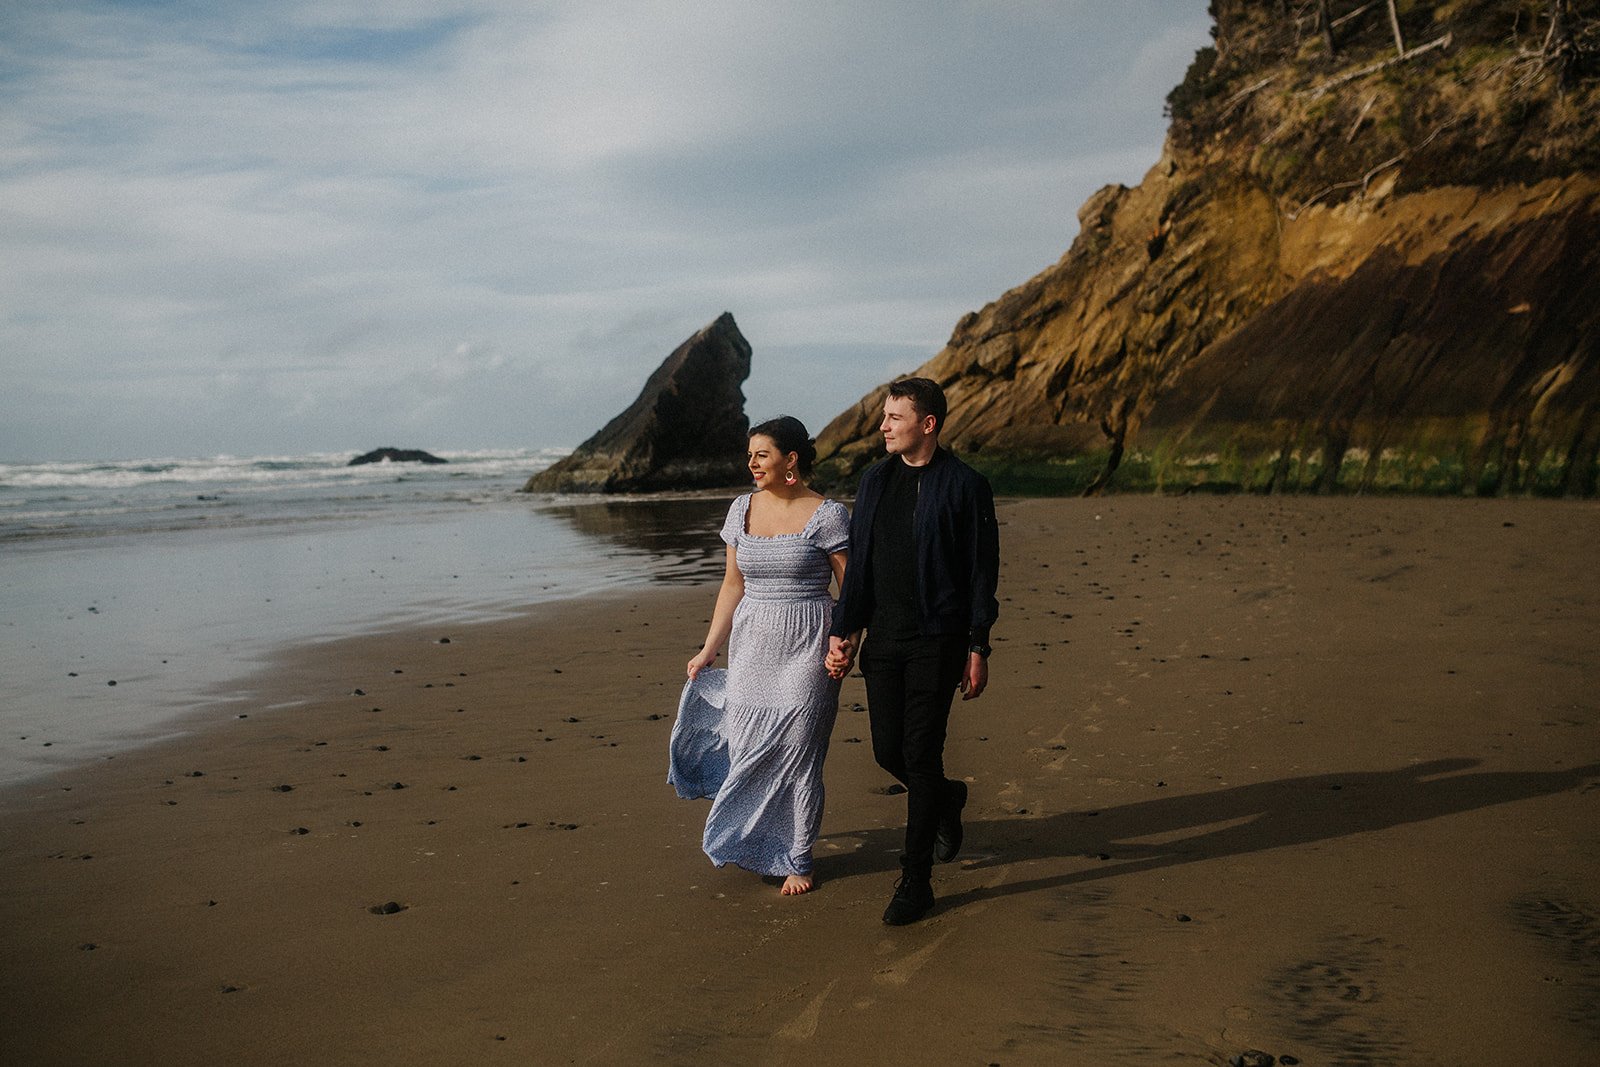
pixel 54 500
pixel 315 468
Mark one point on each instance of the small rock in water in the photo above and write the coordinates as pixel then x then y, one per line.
pixel 444 640
pixel 391 908
pixel 1253 1058
pixel 892 790
pixel 283 789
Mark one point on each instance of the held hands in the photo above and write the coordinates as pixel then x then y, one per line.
pixel 841 654
pixel 704 659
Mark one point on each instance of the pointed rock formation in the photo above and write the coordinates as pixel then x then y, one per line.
pixel 687 429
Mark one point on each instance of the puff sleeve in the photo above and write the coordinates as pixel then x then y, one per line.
pixel 832 533
pixel 733 525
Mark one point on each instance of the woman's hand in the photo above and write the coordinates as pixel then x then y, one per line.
pixel 704 659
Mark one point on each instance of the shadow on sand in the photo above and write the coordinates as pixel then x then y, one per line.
pixel 1152 834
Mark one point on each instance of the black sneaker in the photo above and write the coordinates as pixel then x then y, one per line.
pixel 947 842
pixel 913 898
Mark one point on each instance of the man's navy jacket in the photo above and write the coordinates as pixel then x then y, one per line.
pixel 957 546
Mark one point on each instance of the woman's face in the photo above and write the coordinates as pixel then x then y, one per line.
pixel 768 465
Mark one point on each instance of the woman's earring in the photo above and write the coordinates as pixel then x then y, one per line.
pixel 789 478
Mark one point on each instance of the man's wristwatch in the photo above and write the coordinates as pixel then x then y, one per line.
pixel 982 650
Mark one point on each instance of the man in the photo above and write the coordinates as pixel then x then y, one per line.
pixel 924 561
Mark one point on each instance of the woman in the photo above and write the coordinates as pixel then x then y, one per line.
pixel 753 737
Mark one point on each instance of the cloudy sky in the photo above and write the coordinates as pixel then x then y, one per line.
pixel 275 226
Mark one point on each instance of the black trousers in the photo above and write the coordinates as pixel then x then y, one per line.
pixel 910 686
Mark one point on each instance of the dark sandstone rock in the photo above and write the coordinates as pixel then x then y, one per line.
pixel 395 455
pixel 687 429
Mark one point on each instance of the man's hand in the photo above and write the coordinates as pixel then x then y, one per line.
pixel 975 678
pixel 841 654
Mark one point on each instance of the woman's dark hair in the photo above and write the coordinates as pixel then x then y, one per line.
pixel 925 396
pixel 789 434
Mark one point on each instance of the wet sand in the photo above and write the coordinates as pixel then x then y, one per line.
pixel 1318 778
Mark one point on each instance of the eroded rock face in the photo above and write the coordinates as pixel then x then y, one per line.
pixel 1329 280
pixel 687 429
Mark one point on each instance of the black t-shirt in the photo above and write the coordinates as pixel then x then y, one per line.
pixel 894 559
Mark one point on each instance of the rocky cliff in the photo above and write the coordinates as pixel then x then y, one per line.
pixel 685 431
pixel 1367 260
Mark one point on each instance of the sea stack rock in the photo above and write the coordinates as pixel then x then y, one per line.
pixel 395 455
pixel 687 430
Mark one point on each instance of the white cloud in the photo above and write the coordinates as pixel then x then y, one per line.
pixel 486 222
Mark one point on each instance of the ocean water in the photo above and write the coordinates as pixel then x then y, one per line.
pixel 132 592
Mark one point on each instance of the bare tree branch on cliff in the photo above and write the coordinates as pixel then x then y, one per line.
pixel 1560 51
pixel 1394 24
pixel 1325 21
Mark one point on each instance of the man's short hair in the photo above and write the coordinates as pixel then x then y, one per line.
pixel 925 396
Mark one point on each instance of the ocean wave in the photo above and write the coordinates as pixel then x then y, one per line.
pixel 306 471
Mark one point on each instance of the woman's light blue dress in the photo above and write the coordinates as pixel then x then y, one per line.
pixel 753 737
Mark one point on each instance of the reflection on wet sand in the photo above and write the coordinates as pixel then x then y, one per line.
pixel 680 531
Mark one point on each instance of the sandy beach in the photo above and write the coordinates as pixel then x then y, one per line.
pixel 1319 778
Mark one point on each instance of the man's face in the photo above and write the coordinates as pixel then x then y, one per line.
pixel 902 430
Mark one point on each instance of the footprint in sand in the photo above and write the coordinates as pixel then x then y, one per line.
pixel 803 1027
pixel 905 968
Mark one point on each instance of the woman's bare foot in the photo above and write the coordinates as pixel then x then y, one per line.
pixel 796 884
